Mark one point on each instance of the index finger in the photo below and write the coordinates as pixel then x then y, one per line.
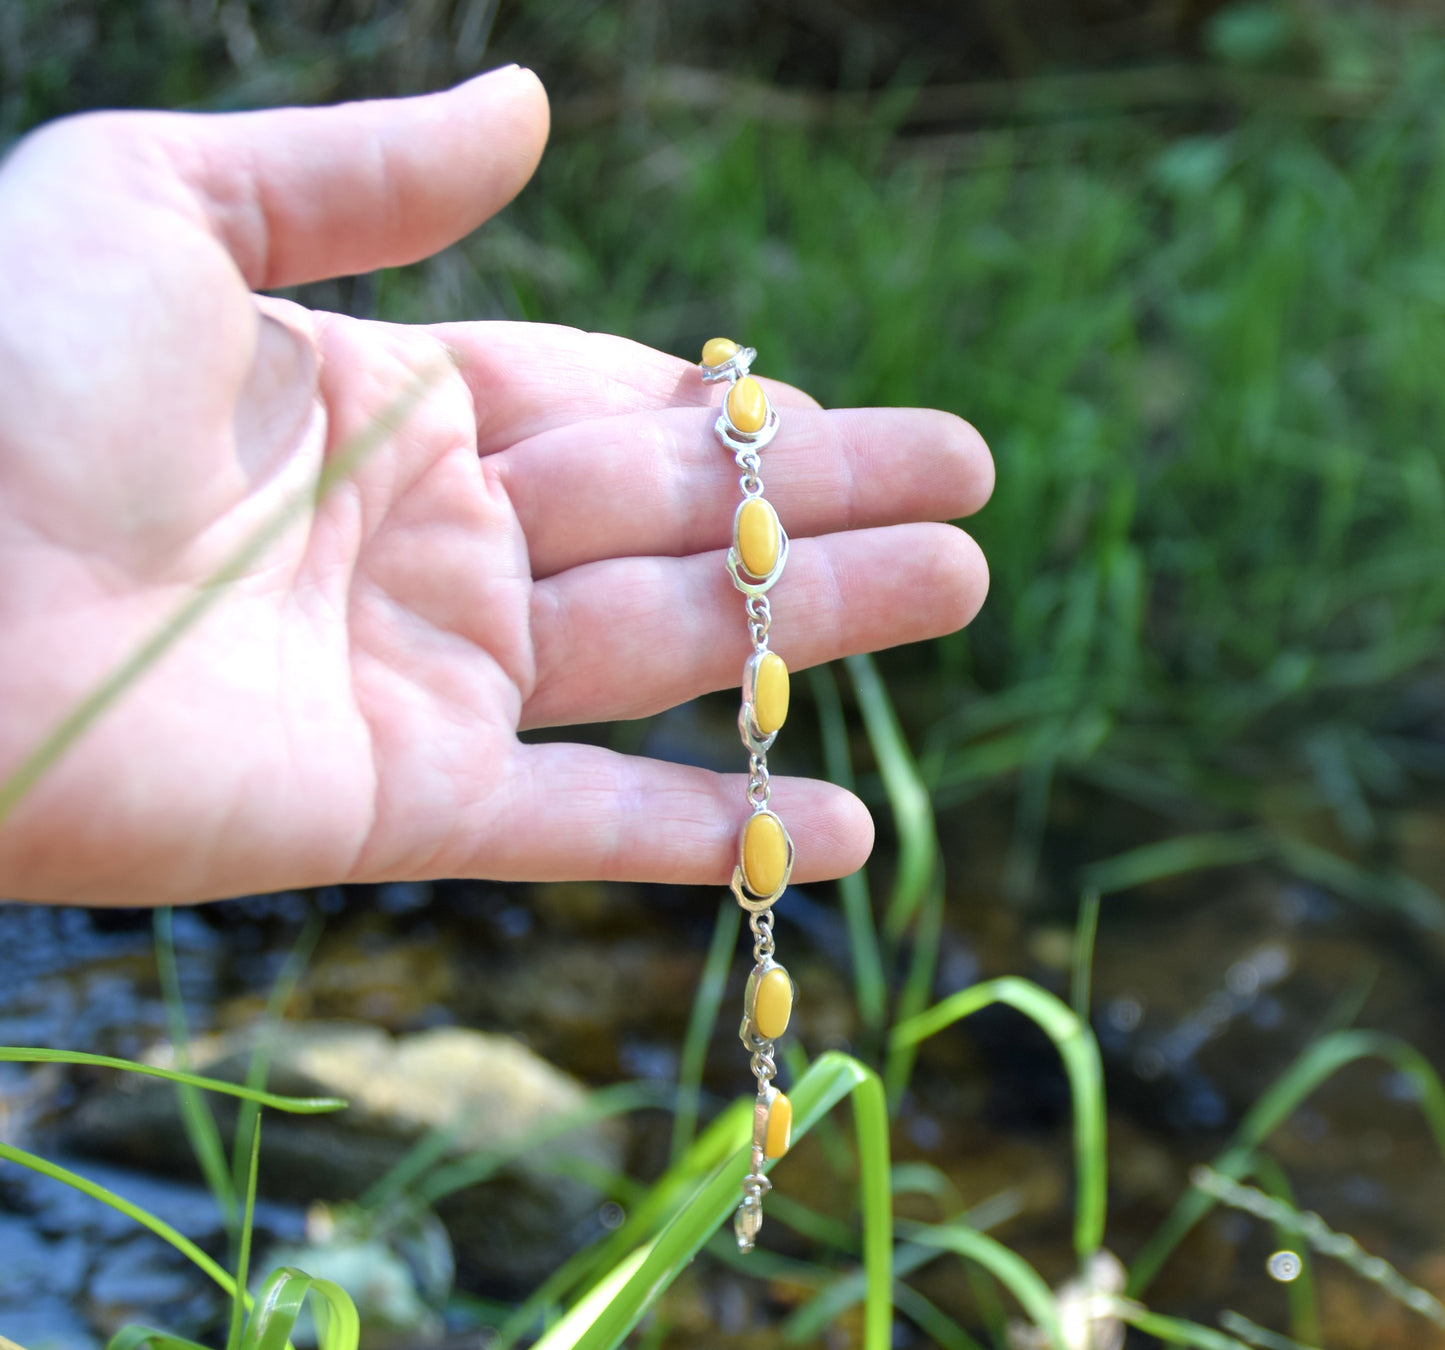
pixel 526 378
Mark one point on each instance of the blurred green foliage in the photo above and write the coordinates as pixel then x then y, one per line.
pixel 1198 310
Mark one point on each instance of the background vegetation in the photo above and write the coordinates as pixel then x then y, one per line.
pixel 1180 263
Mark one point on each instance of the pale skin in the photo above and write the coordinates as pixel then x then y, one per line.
pixel 541 542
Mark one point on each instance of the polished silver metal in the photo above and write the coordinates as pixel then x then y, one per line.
pixel 762 926
pixel 760 790
pixel 760 620
pixel 756 903
pixel 744 580
pixel 753 736
pixel 733 369
pixel 756 744
pixel 735 438
pixel 748 1221
pixel 748 1032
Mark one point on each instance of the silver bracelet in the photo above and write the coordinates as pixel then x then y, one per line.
pixel 745 424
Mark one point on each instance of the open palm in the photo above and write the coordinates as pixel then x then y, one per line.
pixel 536 541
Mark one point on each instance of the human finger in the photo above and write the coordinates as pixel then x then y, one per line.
pixel 608 816
pixel 628 637
pixel 659 484
pixel 529 378
pixel 295 194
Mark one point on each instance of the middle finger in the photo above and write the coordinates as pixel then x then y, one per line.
pixel 659 484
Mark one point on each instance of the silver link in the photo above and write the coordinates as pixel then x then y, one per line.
pixel 750 483
pixel 760 620
pixel 759 787
pixel 762 926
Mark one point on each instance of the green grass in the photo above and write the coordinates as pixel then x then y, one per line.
pixel 1204 341
pixel 262 1323
pixel 1205 350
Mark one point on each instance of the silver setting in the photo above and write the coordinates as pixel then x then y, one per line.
pixel 734 368
pixel 748 1221
pixel 762 1109
pixel 753 737
pixel 736 439
pixel 744 580
pixel 755 904
pixel 748 1032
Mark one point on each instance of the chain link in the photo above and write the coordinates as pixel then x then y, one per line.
pixel 759 787
pixel 750 483
pixel 762 926
pixel 760 620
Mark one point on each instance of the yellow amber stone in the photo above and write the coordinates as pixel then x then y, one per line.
pixel 758 538
pixel 747 405
pixel 773 1003
pixel 770 694
pixel 780 1127
pixel 717 350
pixel 765 853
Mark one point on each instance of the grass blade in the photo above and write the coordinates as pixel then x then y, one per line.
pixel 1007 1267
pixel 1319 1235
pixel 1080 1054
pixel 869 984
pixel 1174 857
pixel 1304 1313
pixel 917 984
pixel 243 1260
pixel 728 1133
pixel 811 1319
pixel 941 1329
pixel 614 1307
pixel 279 1304
pixel 133 1337
pixel 1319 1062
pixel 159 1227
pixel 907 796
pixel 296 1106
pixel 1085 932
pixel 701 1024
pixel 259 1067
pixel 196 1118
pixel 1261 1336
pixel 1175 1330
pixel 475 1168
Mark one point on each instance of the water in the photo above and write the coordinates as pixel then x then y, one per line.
pixel 1204 991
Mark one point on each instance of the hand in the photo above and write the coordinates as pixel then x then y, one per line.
pixel 540 542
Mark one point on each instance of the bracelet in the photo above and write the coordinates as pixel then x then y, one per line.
pixel 745 424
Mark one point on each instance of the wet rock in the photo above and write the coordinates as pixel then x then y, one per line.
pixel 1086 1307
pixel 578 1003
pixel 143 1280
pixel 372 975
pixel 46 1324
pixel 397 1267
pixel 484 1091
pixel 71 1266
pixel 34 1268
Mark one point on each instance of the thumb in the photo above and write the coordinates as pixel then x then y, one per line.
pixel 297 194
